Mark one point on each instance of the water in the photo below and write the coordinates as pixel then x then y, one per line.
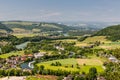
pixel 25 65
pixel 22 46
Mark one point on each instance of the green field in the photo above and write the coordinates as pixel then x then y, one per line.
pixel 11 53
pixel 74 62
pixel 96 38
pixel 21 35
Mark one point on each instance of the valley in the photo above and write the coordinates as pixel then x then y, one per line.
pixel 54 56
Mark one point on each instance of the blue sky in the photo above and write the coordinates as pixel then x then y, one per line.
pixel 60 10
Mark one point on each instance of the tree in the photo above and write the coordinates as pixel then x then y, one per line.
pixel 92 75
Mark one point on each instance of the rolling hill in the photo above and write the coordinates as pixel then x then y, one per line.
pixel 42 26
pixel 112 32
pixel 3 27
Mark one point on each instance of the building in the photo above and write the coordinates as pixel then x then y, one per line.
pixel 39 55
pixel 113 59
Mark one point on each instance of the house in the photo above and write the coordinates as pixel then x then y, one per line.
pixel 69 77
pixel 113 59
pixel 59 48
pixel 39 55
pixel 23 58
pixel 100 78
pixel 29 55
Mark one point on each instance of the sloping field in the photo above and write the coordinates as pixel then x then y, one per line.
pixel 90 62
pixel 96 38
pixel 68 62
pixel 11 53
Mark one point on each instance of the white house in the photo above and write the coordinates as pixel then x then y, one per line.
pixel 39 55
pixel 113 59
pixel 59 48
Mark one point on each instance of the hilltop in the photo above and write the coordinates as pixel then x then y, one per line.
pixel 41 26
pixel 111 32
pixel 4 28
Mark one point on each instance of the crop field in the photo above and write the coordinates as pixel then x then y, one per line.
pixel 20 35
pixel 96 38
pixel 78 43
pixel 90 62
pixel 110 45
pixel 11 53
pixel 68 62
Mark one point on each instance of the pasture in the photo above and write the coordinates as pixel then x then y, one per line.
pixel 78 43
pixel 11 53
pixel 110 45
pixel 74 62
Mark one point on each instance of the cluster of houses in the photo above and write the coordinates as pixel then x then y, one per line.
pixel 15 61
pixel 70 77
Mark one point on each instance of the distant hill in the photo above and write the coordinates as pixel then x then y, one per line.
pixel 112 32
pixel 43 26
pixel 3 27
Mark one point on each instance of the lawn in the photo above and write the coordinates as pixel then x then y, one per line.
pixel 11 53
pixel 68 62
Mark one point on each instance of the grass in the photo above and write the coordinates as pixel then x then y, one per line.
pixel 95 62
pixel 78 43
pixel 21 35
pixel 87 67
pixel 22 23
pixel 68 62
pixel 96 38
pixel 110 45
pixel 11 53
pixel 64 62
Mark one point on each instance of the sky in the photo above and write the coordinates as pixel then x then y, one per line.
pixel 60 10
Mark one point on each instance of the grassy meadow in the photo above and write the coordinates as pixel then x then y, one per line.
pixel 11 53
pixel 71 61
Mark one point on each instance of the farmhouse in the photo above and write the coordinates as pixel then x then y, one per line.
pixel 39 55
pixel 59 48
pixel 113 59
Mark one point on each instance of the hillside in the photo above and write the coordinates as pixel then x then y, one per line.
pixel 42 26
pixel 112 32
pixel 4 28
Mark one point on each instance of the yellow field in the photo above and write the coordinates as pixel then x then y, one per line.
pixel 19 30
pixel 3 31
pixel 20 35
pixel 96 38
pixel 90 62
pixel 78 43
